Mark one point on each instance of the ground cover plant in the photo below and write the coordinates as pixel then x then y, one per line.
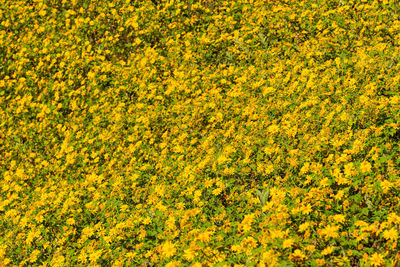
pixel 199 133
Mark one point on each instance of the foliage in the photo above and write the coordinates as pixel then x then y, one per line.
pixel 199 133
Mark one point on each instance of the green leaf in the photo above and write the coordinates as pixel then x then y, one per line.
pixel 262 195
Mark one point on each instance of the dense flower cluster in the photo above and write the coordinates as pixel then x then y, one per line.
pixel 199 133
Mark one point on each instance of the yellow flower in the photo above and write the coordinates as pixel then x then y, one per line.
pixel 330 231
pixel 360 223
pixel 393 218
pixel 339 195
pixel 269 169
pixel 170 223
pixel 217 191
pixel 208 183
pixel 328 250
pixel 364 99
pixel 377 259
pixel 95 255
pixel 237 248
pixel 88 232
pixel 365 167
pixel 298 255
pixel 273 128
pixel 276 233
pixel 287 243
pixel 70 221
pixel 324 182
pixel 349 169
pixel 168 249
pixel 204 237
pixel 189 254
pixel 340 218
pixel 270 258
pixel 386 185
pixel 58 260
pixel 390 234
pixel 303 227
pixel 306 209
pixel 310 248
pixel 245 225
pixel 172 264
pixel 147 220
pixel 33 256
pixel 268 90
pixel 131 254
pixel 249 243
pixel 3 249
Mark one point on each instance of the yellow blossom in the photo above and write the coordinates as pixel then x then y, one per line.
pixel 189 254
pixel 377 259
pixel 168 249
pixel 340 218
pixel 386 185
pixel 390 234
pixel 328 250
pixel 297 256
pixel 365 167
pixel 287 243
pixel 330 231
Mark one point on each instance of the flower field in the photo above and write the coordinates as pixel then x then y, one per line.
pixel 199 133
